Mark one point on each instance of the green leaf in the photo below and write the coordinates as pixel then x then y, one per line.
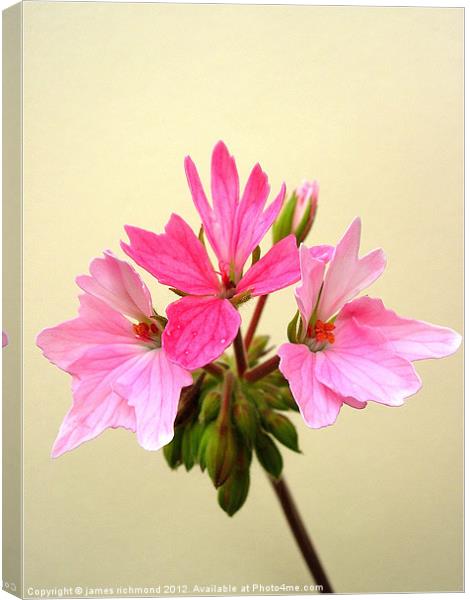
pixel 268 455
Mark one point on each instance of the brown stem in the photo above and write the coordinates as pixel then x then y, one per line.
pixel 301 535
pixel 240 354
pixel 250 334
pixel 214 370
pixel 262 370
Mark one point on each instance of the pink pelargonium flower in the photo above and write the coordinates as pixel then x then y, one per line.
pixel 205 322
pixel 352 351
pixel 122 376
pixel 307 194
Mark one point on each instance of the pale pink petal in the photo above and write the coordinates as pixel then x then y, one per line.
pixel 118 284
pixel 199 330
pixel 306 294
pixel 409 338
pixel 348 275
pixel 319 405
pixel 322 252
pixel 97 324
pixel 176 258
pixel 152 385
pixel 211 228
pixel 95 408
pixel 354 403
pixel 268 217
pixel 276 270
pixel 359 364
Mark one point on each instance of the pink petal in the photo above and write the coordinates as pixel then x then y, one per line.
pixel 95 408
pixel 276 270
pixel 319 406
pixel 97 324
pixel 212 230
pixel 409 338
pixel 312 271
pixel 4 339
pixel 199 330
pixel 176 258
pixel 118 284
pixel 359 364
pixel 322 252
pixel 153 387
pixel 348 275
pixel 225 193
pixel 248 217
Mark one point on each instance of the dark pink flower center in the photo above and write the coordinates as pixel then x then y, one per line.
pixel 322 332
pixel 146 331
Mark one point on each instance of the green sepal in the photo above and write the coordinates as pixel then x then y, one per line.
pixel 207 433
pixel 210 406
pixel 255 255
pixel 258 348
pixel 245 416
pixel 305 225
pixel 233 493
pixel 292 328
pixel 268 455
pixel 221 453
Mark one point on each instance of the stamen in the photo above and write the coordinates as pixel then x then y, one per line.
pixel 145 331
pixel 323 332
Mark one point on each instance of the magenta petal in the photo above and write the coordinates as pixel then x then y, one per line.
pixel 319 405
pixel 276 270
pixel 409 338
pixel 176 258
pixel 348 275
pixel 95 408
pixel 199 330
pixel 312 271
pixel 359 364
pixel 224 185
pixel 97 324
pixel 152 385
pixel 118 284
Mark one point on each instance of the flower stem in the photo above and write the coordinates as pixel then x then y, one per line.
pixel 240 354
pixel 301 535
pixel 262 370
pixel 250 334
pixel 214 370
pixel 226 396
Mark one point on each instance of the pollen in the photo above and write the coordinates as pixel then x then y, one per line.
pixel 323 332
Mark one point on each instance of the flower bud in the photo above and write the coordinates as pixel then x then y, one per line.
pixel 268 455
pixel 298 213
pixel 210 406
pixel 221 453
pixel 258 349
pixel 281 428
pixel 245 416
pixel 233 493
pixel 172 451
pixel 190 444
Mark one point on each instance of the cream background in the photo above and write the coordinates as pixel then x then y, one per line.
pixel 368 101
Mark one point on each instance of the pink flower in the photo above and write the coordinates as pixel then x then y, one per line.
pixel 121 375
pixel 365 351
pixel 203 323
pixel 307 194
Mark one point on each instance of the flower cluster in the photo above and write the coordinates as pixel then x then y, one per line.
pixel 169 378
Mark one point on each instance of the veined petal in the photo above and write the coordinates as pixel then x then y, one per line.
pixel 347 274
pixel 276 270
pixel 360 364
pixel 153 385
pixel 312 270
pixel 118 284
pixel 248 215
pixel 409 338
pixel 97 324
pixel 176 258
pixel 199 330
pixel 319 405
pixel 95 408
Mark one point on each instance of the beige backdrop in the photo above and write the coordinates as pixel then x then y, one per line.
pixel 367 100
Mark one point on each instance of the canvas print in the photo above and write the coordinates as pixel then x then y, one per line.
pixel 233 246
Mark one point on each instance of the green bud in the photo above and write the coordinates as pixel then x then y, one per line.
pixel 172 451
pixel 233 493
pixel 289 398
pixel 207 433
pixel 245 416
pixel 283 225
pixel 190 444
pixel 221 453
pixel 210 406
pixel 281 428
pixel 268 455
pixel 272 396
pixel 258 348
